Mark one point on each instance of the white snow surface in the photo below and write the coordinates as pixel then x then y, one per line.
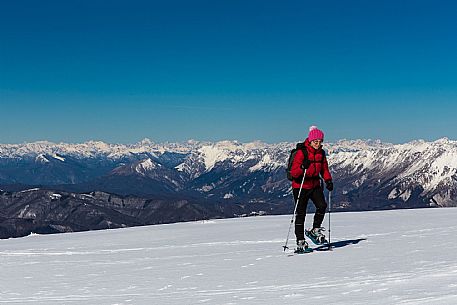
pixel 145 165
pixel 55 156
pixel 384 257
pixel 41 159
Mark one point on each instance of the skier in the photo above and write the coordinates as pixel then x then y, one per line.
pixel 316 166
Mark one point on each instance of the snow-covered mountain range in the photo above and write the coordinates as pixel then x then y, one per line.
pixel 367 174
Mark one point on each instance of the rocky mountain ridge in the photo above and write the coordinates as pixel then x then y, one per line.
pixel 425 168
pixel 242 177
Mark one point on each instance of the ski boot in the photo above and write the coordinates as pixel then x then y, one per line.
pixel 316 236
pixel 302 247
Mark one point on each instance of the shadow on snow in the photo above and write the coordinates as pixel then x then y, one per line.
pixel 339 244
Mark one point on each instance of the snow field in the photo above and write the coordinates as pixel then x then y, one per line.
pixel 385 257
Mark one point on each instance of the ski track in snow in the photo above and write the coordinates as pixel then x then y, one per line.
pixel 386 257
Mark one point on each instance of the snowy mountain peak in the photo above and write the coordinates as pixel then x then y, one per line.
pixel 145 142
pixel 145 166
pixel 60 158
pixel 444 140
pixel 41 159
pixel 212 154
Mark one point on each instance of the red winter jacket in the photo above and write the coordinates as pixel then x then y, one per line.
pixel 317 169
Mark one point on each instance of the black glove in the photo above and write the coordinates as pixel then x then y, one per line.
pixel 329 185
pixel 306 163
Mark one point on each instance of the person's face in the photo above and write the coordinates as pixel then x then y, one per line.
pixel 316 143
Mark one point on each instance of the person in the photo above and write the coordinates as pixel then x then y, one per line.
pixel 316 167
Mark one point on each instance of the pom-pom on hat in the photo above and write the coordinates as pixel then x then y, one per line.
pixel 315 134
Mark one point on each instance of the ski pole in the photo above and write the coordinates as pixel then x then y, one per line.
pixel 295 211
pixel 329 213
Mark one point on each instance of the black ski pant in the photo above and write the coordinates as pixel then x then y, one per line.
pixel 317 197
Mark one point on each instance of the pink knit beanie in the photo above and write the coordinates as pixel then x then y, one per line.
pixel 315 134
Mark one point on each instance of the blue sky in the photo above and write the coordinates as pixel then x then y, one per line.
pixel 120 71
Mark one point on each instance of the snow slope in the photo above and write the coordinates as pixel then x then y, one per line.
pixel 384 257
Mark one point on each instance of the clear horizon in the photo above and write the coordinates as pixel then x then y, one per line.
pixel 215 141
pixel 257 70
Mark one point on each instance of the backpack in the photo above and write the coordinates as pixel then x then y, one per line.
pixel 293 152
